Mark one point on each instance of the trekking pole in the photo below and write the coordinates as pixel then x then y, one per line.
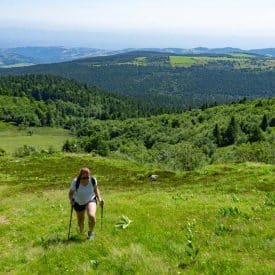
pixel 101 220
pixel 70 222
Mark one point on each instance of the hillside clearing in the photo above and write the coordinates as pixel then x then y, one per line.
pixel 13 137
pixel 224 212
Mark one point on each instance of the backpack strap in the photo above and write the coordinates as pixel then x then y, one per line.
pixel 93 181
pixel 78 182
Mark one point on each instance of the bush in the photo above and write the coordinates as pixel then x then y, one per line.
pixel 182 156
pixel 96 144
pixel 2 152
pixel 50 151
pixel 272 122
pixel 24 151
pixel 71 146
pixel 252 152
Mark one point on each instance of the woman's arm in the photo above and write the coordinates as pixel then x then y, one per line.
pixel 97 193
pixel 71 193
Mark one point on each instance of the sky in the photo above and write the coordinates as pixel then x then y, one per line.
pixel 138 23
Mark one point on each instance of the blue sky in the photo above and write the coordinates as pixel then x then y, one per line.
pixel 178 23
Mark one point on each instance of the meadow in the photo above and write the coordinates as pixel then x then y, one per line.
pixel 216 220
pixel 236 60
pixel 42 138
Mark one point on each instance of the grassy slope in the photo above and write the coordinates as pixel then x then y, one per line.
pixel 34 217
pixel 239 61
pixel 42 138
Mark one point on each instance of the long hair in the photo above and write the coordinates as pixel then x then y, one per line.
pixel 82 170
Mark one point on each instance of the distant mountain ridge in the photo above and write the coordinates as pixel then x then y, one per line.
pixel 22 56
pixel 168 80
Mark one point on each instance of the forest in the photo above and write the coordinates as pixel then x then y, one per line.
pixel 44 100
pixel 150 77
pixel 116 126
pixel 236 132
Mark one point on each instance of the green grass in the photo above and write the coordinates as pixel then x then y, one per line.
pixel 225 212
pixel 42 138
pixel 238 61
pixel 242 55
pixel 141 61
pixel 186 61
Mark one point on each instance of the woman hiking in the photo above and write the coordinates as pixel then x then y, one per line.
pixel 83 195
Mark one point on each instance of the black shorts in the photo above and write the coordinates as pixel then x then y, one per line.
pixel 78 207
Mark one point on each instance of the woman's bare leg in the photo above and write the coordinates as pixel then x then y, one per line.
pixel 80 219
pixel 91 212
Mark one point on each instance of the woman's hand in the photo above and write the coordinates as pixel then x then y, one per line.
pixel 101 202
pixel 72 201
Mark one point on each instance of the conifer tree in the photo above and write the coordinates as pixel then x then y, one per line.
pixel 256 134
pixel 264 123
pixel 231 133
pixel 217 135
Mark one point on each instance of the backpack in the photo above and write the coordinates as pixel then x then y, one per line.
pixel 78 182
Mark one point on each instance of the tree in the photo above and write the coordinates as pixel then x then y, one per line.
pixel 231 133
pixel 264 123
pixel 256 134
pixel 272 122
pixel 217 135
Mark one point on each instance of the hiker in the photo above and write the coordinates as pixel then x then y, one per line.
pixel 83 195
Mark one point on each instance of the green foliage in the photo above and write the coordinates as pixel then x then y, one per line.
pixel 232 212
pixel 191 252
pixel 222 230
pixel 256 134
pixel 2 152
pixel 96 144
pixel 123 222
pixel 272 122
pixel 24 151
pixel 229 211
pixel 186 141
pixel 264 123
pixel 71 146
pixel 270 199
pixel 217 135
pixel 43 100
pixel 231 134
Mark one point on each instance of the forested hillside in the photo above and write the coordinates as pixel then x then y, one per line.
pixel 169 80
pixel 44 100
pixel 227 133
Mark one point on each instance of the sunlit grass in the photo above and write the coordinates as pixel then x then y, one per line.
pixel 218 220
pixel 41 138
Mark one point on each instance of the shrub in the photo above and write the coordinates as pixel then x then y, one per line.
pixel 253 152
pixel 70 146
pixel 24 151
pixel 182 156
pixel 272 122
pixel 51 150
pixel 2 152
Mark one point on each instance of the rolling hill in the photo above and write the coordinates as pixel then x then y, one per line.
pixel 44 100
pixel 169 80
pixel 13 57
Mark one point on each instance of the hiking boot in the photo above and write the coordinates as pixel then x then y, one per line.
pixel 91 235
